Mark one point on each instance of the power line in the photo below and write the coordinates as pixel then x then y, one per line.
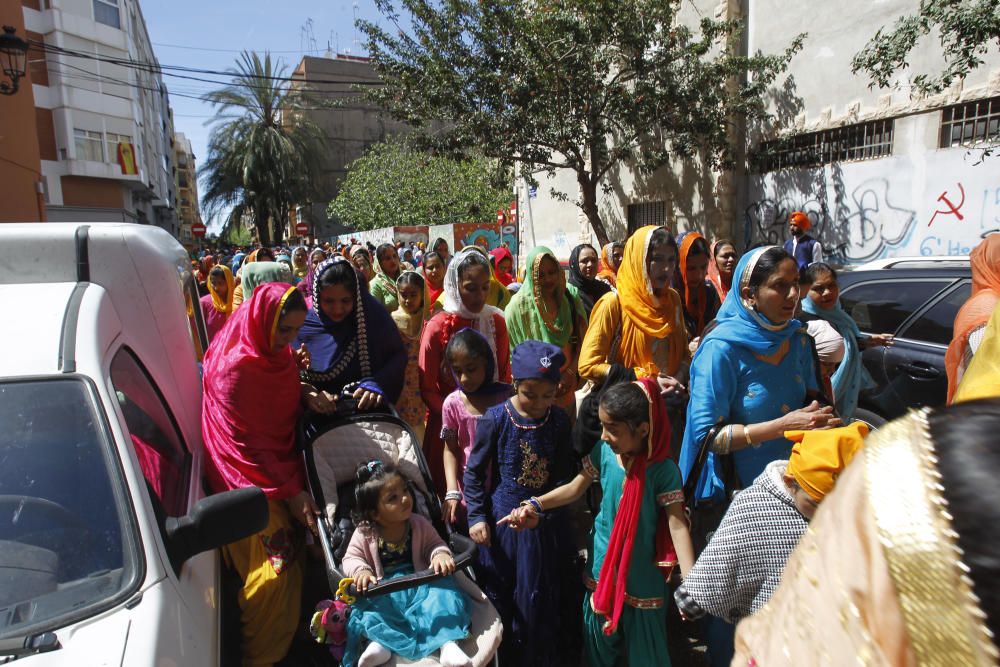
pixel 168 70
pixel 205 48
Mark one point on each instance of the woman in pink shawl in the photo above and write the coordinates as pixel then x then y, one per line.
pixel 251 402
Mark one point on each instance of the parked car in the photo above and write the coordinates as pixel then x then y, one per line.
pixel 916 299
pixel 107 543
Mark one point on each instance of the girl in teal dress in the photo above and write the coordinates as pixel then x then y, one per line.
pixel 391 541
pixel 640 532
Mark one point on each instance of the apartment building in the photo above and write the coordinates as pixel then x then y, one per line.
pixel 186 186
pixel 350 125
pixel 103 119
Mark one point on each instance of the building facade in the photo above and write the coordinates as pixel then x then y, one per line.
pixel 350 125
pixel 186 186
pixel 103 120
pixel 880 172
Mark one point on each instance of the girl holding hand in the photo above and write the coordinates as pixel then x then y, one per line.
pixel 640 532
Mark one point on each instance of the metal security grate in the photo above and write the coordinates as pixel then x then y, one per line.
pixel 971 123
pixel 863 141
pixel 646 213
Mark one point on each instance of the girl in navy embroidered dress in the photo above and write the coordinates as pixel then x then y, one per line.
pixel 522 450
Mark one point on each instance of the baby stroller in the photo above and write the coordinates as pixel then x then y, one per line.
pixel 334 446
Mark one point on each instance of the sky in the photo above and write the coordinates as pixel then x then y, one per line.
pixel 210 34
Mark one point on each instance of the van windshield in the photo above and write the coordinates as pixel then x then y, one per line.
pixel 65 550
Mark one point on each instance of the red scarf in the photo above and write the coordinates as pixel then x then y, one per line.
pixel 500 254
pixel 251 402
pixel 609 598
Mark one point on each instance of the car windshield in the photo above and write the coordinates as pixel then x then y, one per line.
pixel 65 551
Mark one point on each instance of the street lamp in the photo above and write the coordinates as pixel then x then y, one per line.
pixel 13 59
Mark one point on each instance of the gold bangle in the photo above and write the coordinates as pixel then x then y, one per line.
pixel 746 434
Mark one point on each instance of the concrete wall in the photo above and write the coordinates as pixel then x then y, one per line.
pixel 920 201
pixel 862 210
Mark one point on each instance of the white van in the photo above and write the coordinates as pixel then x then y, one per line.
pixel 107 543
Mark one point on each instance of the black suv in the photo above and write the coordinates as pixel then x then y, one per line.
pixel 916 300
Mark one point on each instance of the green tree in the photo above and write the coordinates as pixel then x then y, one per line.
pixel 966 29
pixel 263 157
pixel 394 184
pixel 570 84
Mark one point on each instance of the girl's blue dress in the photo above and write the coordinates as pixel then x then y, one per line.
pixel 528 575
pixel 412 623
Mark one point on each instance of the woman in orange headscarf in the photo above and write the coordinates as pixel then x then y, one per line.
pixel 970 322
pixel 611 260
pixel 701 302
pixel 641 326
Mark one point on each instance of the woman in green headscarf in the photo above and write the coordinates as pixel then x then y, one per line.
pixel 259 273
pixel 544 310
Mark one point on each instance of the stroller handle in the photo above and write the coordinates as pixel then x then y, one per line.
pixel 461 545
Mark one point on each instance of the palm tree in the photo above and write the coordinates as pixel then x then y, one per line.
pixel 263 157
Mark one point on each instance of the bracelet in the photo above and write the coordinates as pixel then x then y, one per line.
pixel 729 439
pixel 535 503
pixel 746 434
pixel 453 495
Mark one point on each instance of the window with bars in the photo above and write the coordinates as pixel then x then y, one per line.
pixel 646 213
pixel 971 123
pixel 863 141
pixel 89 145
pixel 106 12
pixel 113 141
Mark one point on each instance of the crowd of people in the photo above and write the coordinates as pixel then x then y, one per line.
pixel 691 406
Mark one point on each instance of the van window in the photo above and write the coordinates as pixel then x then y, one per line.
pixel 67 549
pixel 156 440
pixel 196 318
pixel 881 306
pixel 936 324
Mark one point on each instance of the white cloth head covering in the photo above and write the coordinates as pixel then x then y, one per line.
pixel 829 342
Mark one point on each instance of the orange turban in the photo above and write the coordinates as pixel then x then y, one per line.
pixel 801 219
pixel 818 457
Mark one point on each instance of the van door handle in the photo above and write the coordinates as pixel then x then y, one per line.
pixel 919 370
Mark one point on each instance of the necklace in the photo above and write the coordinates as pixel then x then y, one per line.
pixel 526 427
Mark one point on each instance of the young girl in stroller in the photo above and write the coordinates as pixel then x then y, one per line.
pixel 391 541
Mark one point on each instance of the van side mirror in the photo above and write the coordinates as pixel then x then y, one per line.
pixel 216 521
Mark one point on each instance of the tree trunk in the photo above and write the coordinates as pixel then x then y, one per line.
pixel 263 224
pixel 588 197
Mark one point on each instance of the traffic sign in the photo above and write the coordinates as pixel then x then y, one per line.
pixel 301 228
pixel 198 229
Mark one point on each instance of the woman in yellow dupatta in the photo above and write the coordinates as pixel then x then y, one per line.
pixel 217 305
pixel 641 326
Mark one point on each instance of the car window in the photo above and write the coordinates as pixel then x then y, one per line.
pixel 936 324
pixel 157 443
pixel 881 306
pixel 66 546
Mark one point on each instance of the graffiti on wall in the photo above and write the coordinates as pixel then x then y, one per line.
pixel 486 236
pixel 882 208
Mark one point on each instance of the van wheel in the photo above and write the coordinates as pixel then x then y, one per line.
pixel 873 420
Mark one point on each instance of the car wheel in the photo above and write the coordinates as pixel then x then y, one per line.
pixel 873 420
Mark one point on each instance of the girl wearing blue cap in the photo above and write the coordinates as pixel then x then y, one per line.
pixel 522 450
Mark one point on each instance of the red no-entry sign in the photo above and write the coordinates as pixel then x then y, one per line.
pixel 301 228
pixel 198 229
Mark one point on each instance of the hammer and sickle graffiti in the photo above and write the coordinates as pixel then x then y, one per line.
pixel 952 208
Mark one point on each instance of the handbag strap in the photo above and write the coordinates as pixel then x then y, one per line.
pixel 699 463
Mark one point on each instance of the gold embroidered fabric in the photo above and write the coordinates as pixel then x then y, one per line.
pixel 944 622
pixel 534 468
pixel 878 579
